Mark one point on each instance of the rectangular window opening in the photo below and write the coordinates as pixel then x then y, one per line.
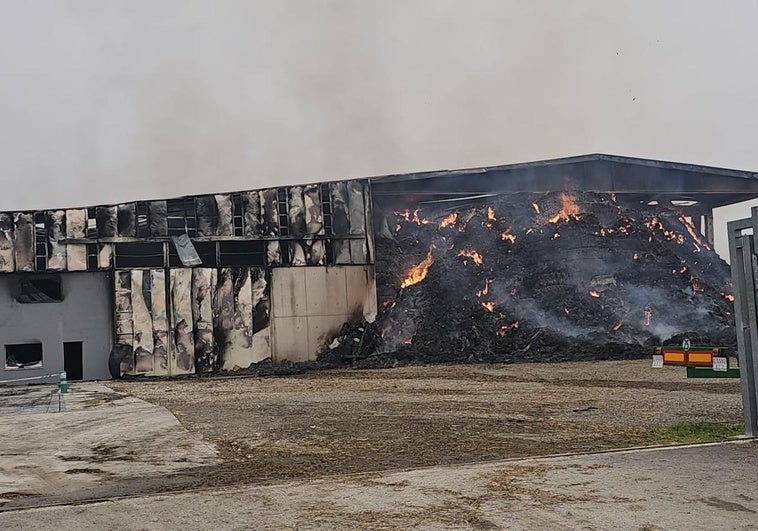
pixel 139 254
pixel 242 253
pixel 35 289
pixel 23 356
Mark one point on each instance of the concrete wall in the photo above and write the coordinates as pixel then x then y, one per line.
pixel 83 315
pixel 309 304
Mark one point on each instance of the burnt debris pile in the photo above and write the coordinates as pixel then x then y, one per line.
pixel 557 276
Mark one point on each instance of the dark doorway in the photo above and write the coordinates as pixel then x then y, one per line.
pixel 72 360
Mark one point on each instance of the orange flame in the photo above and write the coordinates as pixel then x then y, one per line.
pixel 504 328
pixel 476 257
pixel 728 296
pixel 508 236
pixel 485 289
pixel 696 286
pixel 418 272
pixel 693 232
pixel 412 217
pixel 489 306
pixel 567 311
pixel 569 209
pixel 648 315
pixel 536 207
pixel 449 220
pixel 594 294
pixel 636 256
pixel 491 214
pixel 556 236
pixel 408 341
pixel 618 325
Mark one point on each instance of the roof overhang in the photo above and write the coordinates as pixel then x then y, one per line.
pixel 637 179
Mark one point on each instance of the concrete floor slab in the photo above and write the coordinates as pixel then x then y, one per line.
pixel 101 438
pixel 700 487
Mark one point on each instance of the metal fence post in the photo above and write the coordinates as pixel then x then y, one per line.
pixel 741 249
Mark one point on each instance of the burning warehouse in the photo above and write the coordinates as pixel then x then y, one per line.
pixel 575 258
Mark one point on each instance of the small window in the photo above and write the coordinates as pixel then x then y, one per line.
pixel 23 356
pixel 35 289
pixel 142 254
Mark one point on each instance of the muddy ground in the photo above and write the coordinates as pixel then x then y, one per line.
pixel 349 421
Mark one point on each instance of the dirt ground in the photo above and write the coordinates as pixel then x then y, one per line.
pixel 349 421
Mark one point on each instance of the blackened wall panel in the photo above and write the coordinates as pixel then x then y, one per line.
pixel 341 252
pixel 182 354
pixel 314 217
pixel 207 215
pixel 126 220
pixel 274 253
pixel 123 325
pixel 316 252
pixel 55 227
pixel 236 318
pixel 7 261
pixel 224 223
pixel 105 256
pixel 156 218
pixel 296 212
pixel 357 207
pixel 76 227
pixel 269 213
pixel 251 206
pixel 340 216
pixel 261 322
pixel 23 241
pixel 160 321
pixel 297 253
pixel 142 323
pixel 203 293
pixel 107 222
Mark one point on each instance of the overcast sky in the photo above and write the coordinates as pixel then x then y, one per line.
pixel 107 101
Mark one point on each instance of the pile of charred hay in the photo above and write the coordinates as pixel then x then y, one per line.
pixel 538 277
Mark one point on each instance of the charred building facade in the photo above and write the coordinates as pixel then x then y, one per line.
pixel 213 283
pixel 183 286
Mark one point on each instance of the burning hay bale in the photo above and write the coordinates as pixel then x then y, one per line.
pixel 558 276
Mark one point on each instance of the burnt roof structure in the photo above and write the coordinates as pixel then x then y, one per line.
pixel 697 189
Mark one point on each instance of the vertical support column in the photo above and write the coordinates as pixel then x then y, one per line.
pixel 740 254
pixel 708 227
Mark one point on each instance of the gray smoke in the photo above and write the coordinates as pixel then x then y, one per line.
pixel 114 101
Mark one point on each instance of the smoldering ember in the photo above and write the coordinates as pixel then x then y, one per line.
pixel 589 257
